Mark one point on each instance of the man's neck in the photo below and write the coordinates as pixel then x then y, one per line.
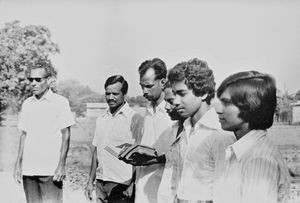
pixel 114 111
pixel 242 131
pixel 200 113
pixel 38 97
pixel 156 103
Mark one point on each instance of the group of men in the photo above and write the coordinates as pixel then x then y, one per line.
pixel 207 149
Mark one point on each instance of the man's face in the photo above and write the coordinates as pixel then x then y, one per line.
pixel 170 108
pixel 39 82
pixel 186 102
pixel 228 113
pixel 114 96
pixel 152 88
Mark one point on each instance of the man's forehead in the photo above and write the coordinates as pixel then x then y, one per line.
pixel 179 86
pixel 226 94
pixel 115 87
pixel 38 72
pixel 169 93
pixel 149 75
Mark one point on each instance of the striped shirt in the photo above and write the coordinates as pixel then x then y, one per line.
pixel 254 171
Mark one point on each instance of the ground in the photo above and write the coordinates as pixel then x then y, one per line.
pixel 79 159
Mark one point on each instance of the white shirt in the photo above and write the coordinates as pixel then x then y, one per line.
pixel 156 134
pixel 42 120
pixel 254 172
pixel 200 148
pixel 113 131
pixel 169 182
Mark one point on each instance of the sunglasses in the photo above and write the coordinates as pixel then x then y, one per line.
pixel 36 79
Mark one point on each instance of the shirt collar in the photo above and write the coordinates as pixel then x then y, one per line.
pixel 124 110
pixel 244 144
pixel 160 107
pixel 47 96
pixel 209 120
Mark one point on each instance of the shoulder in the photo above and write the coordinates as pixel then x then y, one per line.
pixel 59 98
pixel 221 136
pixel 100 118
pixel 266 149
pixel 27 102
pixel 265 153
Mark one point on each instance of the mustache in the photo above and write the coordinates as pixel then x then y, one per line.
pixel 111 100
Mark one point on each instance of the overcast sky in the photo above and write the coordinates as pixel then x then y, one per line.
pixel 99 38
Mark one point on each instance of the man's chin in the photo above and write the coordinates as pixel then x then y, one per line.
pixel 149 99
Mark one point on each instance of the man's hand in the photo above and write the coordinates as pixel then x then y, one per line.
pixel 18 174
pixel 88 191
pixel 60 174
pixel 142 159
pixel 129 191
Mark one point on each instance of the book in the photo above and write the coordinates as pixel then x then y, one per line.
pixel 133 151
pixel 137 151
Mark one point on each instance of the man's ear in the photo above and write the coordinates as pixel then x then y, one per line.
pixel 203 97
pixel 163 83
pixel 51 82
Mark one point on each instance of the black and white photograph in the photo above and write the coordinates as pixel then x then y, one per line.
pixel 149 101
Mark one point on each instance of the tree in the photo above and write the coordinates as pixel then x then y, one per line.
pixel 297 95
pixel 78 95
pixel 138 100
pixel 19 48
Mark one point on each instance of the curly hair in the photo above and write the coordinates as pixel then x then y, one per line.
pixel 43 63
pixel 117 78
pixel 254 93
pixel 157 64
pixel 197 76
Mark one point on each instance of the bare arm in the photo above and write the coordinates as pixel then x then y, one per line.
pixel 60 172
pixel 18 165
pixel 92 176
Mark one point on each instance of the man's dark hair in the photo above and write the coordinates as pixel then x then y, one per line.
pixel 42 63
pixel 167 85
pixel 254 93
pixel 197 76
pixel 158 66
pixel 117 78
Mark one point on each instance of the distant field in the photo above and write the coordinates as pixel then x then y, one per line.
pixel 79 157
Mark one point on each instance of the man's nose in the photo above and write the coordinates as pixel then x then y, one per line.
pixel 168 106
pixel 145 91
pixel 110 96
pixel 176 101
pixel 33 83
pixel 218 106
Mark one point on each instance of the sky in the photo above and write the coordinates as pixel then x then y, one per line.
pixel 100 38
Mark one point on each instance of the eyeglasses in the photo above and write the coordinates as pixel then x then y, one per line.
pixel 36 79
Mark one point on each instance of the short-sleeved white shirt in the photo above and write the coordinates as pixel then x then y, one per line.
pixel 157 129
pixel 112 131
pixel 42 120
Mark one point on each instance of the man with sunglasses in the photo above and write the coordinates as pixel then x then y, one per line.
pixel 44 121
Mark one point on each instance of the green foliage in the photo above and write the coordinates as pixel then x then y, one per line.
pixel 78 95
pixel 19 48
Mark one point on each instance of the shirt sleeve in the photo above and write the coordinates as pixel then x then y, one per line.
pixel 22 121
pixel 136 128
pixel 94 142
pixel 66 118
pixel 260 178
